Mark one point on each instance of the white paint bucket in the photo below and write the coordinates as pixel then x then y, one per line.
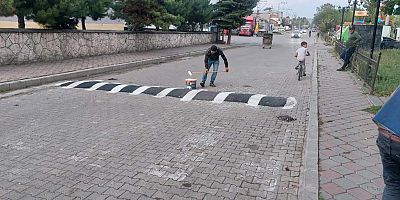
pixel 191 83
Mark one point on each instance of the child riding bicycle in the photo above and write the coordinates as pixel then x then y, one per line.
pixel 301 54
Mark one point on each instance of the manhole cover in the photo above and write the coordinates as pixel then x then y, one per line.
pixel 187 185
pixel 253 147
pixel 246 85
pixel 286 118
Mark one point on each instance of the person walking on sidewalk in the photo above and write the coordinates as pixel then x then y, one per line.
pixel 388 142
pixel 301 54
pixel 351 46
pixel 212 58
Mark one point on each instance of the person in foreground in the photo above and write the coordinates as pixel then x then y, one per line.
pixel 212 58
pixel 388 142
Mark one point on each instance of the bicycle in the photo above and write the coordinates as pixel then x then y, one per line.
pixel 300 70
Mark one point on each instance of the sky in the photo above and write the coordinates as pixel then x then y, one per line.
pixel 302 8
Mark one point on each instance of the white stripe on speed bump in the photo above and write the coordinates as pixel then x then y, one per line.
pixel 189 96
pixel 72 85
pixel 164 93
pixel 117 89
pixel 255 99
pixel 221 97
pixel 140 90
pixel 290 103
pixel 96 86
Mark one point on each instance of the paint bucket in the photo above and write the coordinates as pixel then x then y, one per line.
pixel 191 83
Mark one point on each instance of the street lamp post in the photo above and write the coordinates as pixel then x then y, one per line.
pixel 378 5
pixel 355 2
pixel 341 25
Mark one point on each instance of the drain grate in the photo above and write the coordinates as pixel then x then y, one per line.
pixel 286 118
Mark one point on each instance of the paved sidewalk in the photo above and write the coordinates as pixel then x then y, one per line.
pixel 40 69
pixel 349 161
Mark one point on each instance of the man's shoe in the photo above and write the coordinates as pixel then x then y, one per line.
pixel 212 85
pixel 304 74
pixel 340 69
pixel 202 84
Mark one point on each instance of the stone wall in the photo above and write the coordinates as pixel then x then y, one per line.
pixel 22 46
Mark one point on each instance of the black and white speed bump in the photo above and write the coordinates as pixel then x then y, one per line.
pixel 183 93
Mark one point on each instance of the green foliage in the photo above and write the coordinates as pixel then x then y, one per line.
pixel 389 72
pixel 373 109
pixel 328 16
pixel 7 8
pixel 57 14
pixel 95 9
pixel 303 21
pixel 389 7
pixel 190 13
pixel 229 14
pixel 141 13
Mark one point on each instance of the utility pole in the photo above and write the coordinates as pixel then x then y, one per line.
pixel 378 5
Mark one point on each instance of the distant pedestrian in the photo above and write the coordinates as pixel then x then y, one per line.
pixel 388 121
pixel 351 46
pixel 309 33
pixel 212 58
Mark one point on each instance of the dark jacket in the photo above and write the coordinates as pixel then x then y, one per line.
pixel 215 57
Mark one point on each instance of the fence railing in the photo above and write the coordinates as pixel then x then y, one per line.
pixel 365 67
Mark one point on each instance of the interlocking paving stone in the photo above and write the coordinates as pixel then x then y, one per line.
pixel 78 138
pixel 349 157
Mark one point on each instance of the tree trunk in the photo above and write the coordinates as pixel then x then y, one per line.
pixel 21 21
pixel 83 20
pixel 229 36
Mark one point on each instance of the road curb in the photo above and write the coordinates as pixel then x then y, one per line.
pixel 25 83
pixel 309 181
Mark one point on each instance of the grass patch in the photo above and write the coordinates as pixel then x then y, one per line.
pixel 373 109
pixel 389 72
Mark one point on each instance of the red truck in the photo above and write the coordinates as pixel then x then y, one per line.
pixel 248 28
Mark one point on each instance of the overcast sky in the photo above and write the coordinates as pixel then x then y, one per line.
pixel 303 8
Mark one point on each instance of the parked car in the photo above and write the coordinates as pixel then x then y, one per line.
pixel 390 43
pixel 296 34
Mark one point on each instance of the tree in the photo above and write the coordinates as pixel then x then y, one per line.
pixel 141 13
pixel 7 8
pixel 21 8
pixel 95 9
pixel 229 14
pixel 57 14
pixel 389 7
pixel 190 13
pixel 328 16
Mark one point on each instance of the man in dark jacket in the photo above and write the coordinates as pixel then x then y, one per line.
pixel 351 46
pixel 212 58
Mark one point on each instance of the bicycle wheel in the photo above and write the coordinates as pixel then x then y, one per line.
pixel 300 71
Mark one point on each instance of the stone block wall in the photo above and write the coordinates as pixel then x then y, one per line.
pixel 22 46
